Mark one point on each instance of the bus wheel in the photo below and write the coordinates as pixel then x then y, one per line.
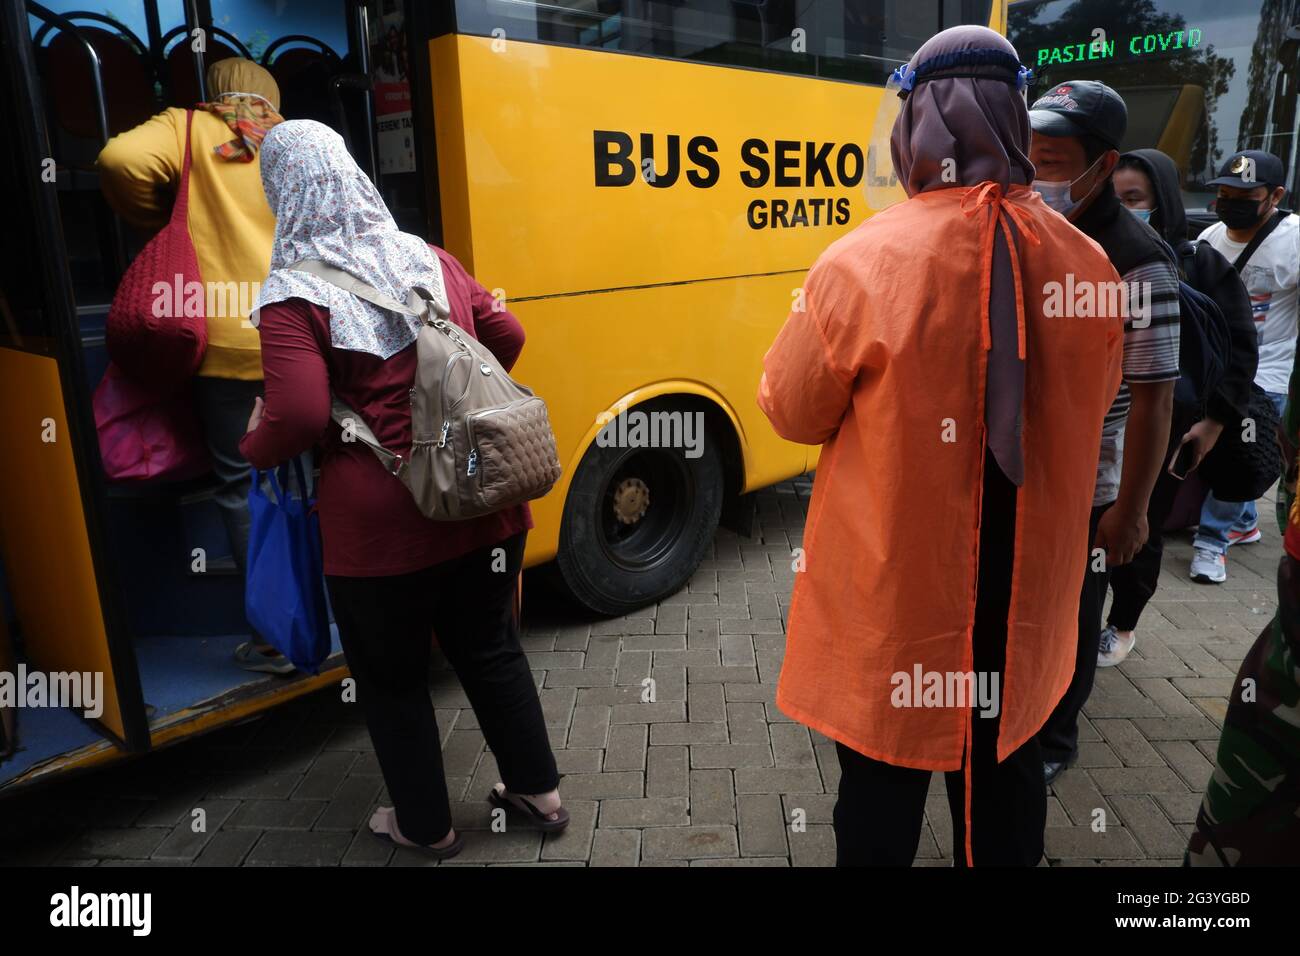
pixel 638 521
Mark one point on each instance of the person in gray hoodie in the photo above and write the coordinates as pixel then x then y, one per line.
pixel 1147 182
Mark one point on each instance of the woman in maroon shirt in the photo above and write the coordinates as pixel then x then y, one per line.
pixel 394 577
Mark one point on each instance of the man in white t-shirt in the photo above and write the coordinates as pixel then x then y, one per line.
pixel 1251 187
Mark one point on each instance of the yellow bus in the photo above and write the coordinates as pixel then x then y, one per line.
pixel 643 183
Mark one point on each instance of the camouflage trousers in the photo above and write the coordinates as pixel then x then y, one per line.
pixel 1250 815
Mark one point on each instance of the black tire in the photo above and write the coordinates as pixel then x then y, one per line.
pixel 613 561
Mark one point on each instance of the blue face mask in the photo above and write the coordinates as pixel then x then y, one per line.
pixel 1143 214
pixel 1056 195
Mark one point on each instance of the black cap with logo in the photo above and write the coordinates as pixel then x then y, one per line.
pixel 1251 168
pixel 1081 108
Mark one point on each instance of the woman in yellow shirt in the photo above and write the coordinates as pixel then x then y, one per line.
pixel 231 226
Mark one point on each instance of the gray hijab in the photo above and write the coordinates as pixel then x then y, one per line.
pixel 965 120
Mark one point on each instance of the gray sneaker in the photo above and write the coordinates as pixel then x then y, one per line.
pixel 1209 567
pixel 1113 648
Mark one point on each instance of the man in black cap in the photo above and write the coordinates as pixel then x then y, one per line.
pixel 1078 126
pixel 1251 187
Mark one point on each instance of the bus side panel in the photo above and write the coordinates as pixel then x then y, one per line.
pixel 43 534
pixel 543 226
pixel 623 287
pixel 586 352
pixel 449 133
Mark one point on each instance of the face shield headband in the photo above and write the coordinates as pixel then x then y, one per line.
pixel 882 188
pixel 904 79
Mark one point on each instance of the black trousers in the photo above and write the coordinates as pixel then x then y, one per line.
pixel 1133 585
pixel 386 625
pixel 879 810
pixel 1060 735
pixel 223 405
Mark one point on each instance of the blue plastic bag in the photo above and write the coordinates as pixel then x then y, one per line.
pixel 284 592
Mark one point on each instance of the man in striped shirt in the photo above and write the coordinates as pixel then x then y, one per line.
pixel 1077 128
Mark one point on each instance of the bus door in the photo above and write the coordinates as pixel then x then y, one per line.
pixel 152 595
pixel 68 676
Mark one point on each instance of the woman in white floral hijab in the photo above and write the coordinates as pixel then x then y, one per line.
pixel 395 578
pixel 326 208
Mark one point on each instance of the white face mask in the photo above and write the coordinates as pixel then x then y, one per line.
pixel 1057 194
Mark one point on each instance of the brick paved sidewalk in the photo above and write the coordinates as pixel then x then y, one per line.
pixel 709 774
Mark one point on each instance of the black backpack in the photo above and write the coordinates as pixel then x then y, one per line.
pixel 1204 339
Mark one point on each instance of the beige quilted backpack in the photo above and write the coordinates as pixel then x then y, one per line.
pixel 480 440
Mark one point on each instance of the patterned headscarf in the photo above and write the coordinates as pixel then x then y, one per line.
pixel 246 98
pixel 326 208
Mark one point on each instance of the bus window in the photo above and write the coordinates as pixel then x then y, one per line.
pixel 405 190
pixel 302 44
pixel 1200 77
pixel 838 40
pixel 150 58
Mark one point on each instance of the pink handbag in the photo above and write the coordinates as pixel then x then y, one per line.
pixel 144 436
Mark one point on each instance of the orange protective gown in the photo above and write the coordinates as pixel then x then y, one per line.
pixel 886 366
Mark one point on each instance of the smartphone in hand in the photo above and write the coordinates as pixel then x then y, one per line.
pixel 1184 460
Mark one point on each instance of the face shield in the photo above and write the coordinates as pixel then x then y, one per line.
pixel 880 184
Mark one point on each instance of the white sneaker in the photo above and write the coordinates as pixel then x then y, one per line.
pixel 1113 648
pixel 1209 567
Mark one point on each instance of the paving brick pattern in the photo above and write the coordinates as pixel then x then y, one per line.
pixel 708 773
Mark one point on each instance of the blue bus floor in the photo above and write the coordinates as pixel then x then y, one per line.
pixel 44 733
pixel 175 673
pixel 179 672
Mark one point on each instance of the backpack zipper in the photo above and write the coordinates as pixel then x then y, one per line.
pixel 470 421
pixel 442 396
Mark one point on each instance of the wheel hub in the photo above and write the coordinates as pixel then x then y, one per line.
pixel 631 500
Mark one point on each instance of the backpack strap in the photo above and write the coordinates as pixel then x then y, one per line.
pixel 350 421
pixel 1259 238
pixel 340 412
pixel 350 283
pixel 1185 259
pixel 418 300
